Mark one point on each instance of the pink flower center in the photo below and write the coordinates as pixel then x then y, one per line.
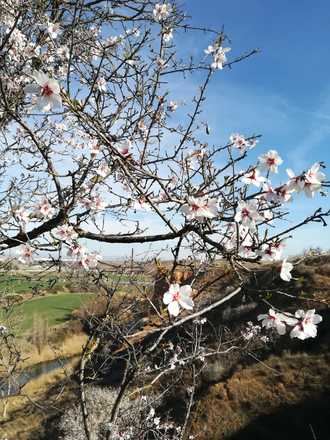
pixel 175 296
pixel 271 161
pixel 253 175
pixel 245 213
pixel 46 90
pixel 194 207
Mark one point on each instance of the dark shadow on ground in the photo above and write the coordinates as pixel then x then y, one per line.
pixel 309 420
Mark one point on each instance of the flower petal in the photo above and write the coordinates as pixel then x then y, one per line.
pixel 173 308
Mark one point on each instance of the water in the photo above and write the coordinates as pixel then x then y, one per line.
pixel 17 381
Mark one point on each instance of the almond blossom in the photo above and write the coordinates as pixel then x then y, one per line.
pixel 314 176
pixel 247 214
pixel 66 233
pixel 306 324
pixel 270 161
pixel 313 180
pixel 94 146
pixel 101 84
pixel 296 183
pixel 168 35
pixel 254 177
pixel 47 91
pixel 219 57
pixel 272 251
pixel 199 208
pixel 177 298
pixel 94 203
pixel 89 261
pixel 22 215
pixel 124 148
pixel 309 182
pixel 210 49
pixel 286 269
pixel 45 209
pixel 283 194
pixel 172 106
pixel 53 30
pixel 141 204
pixel 241 143
pixel 162 11
pixel 103 170
pixel 273 320
pixel 76 250
pixel 26 254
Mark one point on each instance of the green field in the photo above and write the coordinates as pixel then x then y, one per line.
pixel 18 283
pixel 55 309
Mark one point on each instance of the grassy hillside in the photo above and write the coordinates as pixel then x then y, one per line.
pixel 55 309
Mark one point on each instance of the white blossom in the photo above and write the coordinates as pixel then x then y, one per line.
pixel 26 254
pixel 101 84
pixel 241 143
pixel 254 177
pixel 247 214
pixel 172 106
pixel 200 208
pixel 270 161
pixel 168 35
pixel 66 233
pixel 178 297
pixel 90 261
pixel 162 11
pixel 103 170
pixel 272 251
pixel 306 324
pixel 47 91
pixel 22 215
pixel 286 269
pixel 124 148
pixel 53 30
pixel 273 320
pixel 45 209
pixel 219 57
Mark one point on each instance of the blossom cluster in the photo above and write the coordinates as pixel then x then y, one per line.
pixel 304 324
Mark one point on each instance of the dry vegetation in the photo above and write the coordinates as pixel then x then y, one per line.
pixel 248 394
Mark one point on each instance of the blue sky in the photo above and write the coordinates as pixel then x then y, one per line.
pixel 282 93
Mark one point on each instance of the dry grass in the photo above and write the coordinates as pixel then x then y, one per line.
pixel 261 389
pixel 68 347
pixel 41 399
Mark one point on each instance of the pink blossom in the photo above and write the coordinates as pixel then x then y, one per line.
pixel 124 148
